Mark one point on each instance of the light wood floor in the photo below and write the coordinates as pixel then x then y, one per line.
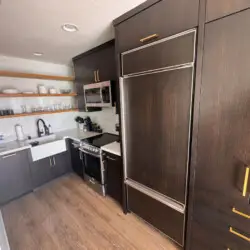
pixel 66 214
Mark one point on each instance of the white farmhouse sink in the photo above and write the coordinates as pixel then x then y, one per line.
pixel 48 146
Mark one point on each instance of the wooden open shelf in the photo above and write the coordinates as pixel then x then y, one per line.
pixel 38 113
pixel 6 73
pixel 36 95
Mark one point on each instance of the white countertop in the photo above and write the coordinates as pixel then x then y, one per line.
pixel 113 148
pixel 74 134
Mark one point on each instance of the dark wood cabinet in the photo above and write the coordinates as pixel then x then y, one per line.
pixel 114 174
pixel 96 65
pixel 169 52
pixel 160 20
pixel 223 137
pixel 76 157
pixel 168 95
pixel 15 179
pixel 161 216
pixel 216 9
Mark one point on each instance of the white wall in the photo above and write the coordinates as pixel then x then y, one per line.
pixel 105 118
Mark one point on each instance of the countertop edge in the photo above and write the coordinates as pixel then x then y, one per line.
pixel 111 148
pixel 17 149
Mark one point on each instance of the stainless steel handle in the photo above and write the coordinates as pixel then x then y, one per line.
pixel 7 156
pixel 88 153
pixel 97 74
pixel 54 160
pixel 50 162
pixel 80 154
pixel 110 158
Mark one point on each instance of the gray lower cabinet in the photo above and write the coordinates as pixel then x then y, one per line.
pixel 41 171
pixel 50 168
pixel 61 164
pixel 15 178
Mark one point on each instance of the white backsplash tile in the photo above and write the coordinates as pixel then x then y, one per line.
pixel 106 118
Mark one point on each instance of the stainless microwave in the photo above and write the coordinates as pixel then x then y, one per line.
pixel 98 94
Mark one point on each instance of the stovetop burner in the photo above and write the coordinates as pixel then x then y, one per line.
pixel 92 145
pixel 101 140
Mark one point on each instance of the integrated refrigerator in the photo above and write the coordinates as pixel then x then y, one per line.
pixel 156 111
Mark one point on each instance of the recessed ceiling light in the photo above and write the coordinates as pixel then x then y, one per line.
pixel 37 54
pixel 69 27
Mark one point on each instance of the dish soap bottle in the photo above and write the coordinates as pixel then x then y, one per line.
pixel 50 130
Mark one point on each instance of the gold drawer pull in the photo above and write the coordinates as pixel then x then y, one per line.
pixel 240 213
pixel 145 39
pixel 231 230
pixel 244 193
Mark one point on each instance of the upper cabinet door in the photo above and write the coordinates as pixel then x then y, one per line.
pixel 168 52
pixel 224 123
pixel 163 19
pixel 220 8
pixel 106 67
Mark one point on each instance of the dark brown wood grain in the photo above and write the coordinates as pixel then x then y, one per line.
pixel 195 121
pixel 101 59
pixel 164 18
pixel 157 125
pixel 179 50
pixel 220 8
pixel 223 136
pixel 159 215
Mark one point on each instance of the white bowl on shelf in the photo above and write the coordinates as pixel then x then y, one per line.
pixel 10 91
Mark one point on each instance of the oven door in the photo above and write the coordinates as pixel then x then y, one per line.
pixel 92 166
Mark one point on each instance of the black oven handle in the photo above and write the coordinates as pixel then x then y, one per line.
pixel 88 153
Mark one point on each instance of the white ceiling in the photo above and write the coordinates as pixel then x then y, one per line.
pixel 28 26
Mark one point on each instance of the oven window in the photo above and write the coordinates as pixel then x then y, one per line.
pixel 93 95
pixel 106 94
pixel 92 167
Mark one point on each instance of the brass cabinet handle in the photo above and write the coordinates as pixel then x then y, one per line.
pixel 244 237
pixel 234 210
pixel 97 74
pixel 244 193
pixel 145 39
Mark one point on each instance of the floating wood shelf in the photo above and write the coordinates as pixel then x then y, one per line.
pixel 38 113
pixel 35 76
pixel 36 95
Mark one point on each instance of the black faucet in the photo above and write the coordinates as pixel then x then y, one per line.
pixel 46 129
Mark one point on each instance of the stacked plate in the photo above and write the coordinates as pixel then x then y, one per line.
pixel 10 91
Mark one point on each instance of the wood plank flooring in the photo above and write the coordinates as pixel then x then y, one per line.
pixel 67 215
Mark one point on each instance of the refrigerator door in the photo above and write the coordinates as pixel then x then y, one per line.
pixel 156 117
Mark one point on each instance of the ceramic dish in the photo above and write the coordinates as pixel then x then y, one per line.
pixel 10 91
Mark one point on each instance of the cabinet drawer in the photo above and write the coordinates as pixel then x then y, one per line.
pixel 216 238
pixel 158 214
pixel 232 209
pixel 163 19
pixel 222 218
pixel 175 50
pixel 217 9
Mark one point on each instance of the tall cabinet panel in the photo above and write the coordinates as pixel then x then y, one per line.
pixel 222 188
pixel 157 125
